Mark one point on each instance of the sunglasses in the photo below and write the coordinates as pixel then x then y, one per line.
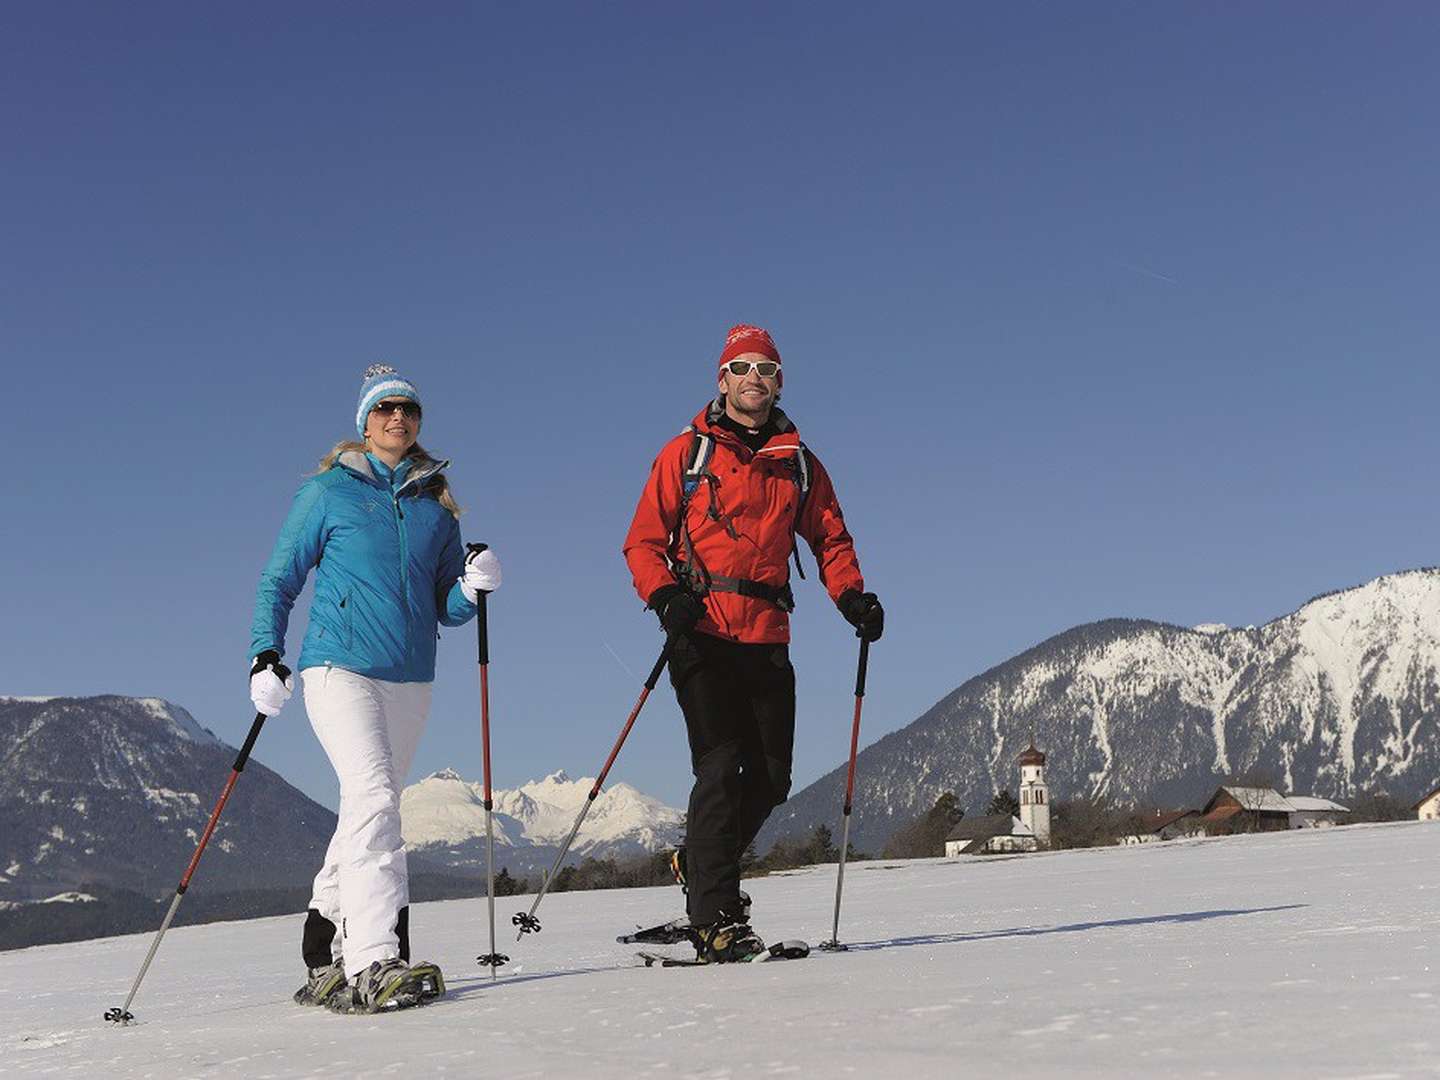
pixel 765 368
pixel 410 409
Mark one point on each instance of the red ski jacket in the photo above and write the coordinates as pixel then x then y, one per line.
pixel 742 524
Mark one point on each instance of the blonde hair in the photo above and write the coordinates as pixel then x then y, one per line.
pixel 438 483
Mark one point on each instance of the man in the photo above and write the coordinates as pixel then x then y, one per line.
pixel 709 549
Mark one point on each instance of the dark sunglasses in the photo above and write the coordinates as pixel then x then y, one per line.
pixel 766 368
pixel 410 409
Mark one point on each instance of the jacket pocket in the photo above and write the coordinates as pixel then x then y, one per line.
pixel 347 621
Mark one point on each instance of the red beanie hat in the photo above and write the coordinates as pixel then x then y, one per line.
pixel 744 338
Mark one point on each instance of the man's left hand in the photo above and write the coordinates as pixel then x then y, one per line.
pixel 863 611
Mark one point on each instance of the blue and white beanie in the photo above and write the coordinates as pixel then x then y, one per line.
pixel 381 381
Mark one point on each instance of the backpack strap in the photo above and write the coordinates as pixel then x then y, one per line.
pixel 697 463
pixel 801 472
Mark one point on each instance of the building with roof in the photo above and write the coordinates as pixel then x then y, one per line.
pixel 1034 793
pixel 997 833
pixel 1238 808
pixel 1428 808
pixel 993 834
pixel 1152 826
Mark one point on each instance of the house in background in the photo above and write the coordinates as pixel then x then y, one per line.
pixel 993 834
pixel 1156 825
pixel 1428 808
pixel 1235 808
pixel 1312 812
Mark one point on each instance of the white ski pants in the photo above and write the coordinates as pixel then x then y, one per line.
pixel 369 729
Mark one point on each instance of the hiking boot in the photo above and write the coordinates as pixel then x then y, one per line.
pixel 727 941
pixel 390 984
pixel 321 983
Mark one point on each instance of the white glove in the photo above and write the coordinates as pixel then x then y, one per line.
pixel 270 683
pixel 482 573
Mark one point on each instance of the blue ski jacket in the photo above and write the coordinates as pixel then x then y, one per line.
pixel 386 557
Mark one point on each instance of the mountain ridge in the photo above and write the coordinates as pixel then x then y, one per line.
pixel 1334 697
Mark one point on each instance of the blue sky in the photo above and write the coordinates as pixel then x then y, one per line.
pixel 1091 310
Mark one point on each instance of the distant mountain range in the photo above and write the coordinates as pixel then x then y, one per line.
pixel 443 818
pixel 103 799
pixel 1341 696
pixel 114 792
pixel 106 796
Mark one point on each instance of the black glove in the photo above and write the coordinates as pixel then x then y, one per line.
pixel 863 611
pixel 678 608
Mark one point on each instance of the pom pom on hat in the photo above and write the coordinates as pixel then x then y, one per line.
pixel 381 381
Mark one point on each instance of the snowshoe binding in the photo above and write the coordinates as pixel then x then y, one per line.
pixel 726 941
pixel 389 985
pixel 322 983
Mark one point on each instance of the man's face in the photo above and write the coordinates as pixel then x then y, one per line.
pixel 751 394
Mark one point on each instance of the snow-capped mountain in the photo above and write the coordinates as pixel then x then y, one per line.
pixel 114 791
pixel 1338 697
pixel 443 816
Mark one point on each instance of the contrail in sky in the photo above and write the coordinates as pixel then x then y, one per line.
pixel 1147 272
pixel 622 663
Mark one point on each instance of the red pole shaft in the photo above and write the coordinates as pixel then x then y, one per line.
pixel 209 829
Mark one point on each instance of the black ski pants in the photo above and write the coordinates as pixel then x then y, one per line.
pixel 739 706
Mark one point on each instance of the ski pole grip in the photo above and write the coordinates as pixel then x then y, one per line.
pixel 660 663
pixel 249 744
pixel 861 669
pixel 482 623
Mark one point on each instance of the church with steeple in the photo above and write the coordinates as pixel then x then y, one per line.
pixel 994 834
pixel 1034 794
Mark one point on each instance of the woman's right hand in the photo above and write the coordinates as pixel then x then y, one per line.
pixel 270 683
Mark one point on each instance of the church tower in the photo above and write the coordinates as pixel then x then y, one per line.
pixel 1034 794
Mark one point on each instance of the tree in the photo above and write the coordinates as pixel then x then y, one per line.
pixel 1087 822
pixel 1378 806
pixel 505 885
pixel 821 848
pixel 1004 803
pixel 925 836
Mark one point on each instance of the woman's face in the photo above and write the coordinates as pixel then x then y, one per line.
pixel 393 426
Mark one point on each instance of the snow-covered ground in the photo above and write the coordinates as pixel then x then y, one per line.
pixel 1307 954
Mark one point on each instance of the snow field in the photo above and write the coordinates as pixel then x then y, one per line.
pixel 1313 953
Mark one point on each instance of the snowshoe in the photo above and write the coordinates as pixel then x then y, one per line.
pixel 793 949
pixel 726 941
pixel 388 985
pixel 674 932
pixel 321 983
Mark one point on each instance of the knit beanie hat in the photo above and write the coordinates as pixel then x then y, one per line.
pixel 744 338
pixel 381 381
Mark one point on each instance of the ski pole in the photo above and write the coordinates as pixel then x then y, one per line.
pixel 122 1015
pixel 492 959
pixel 833 944
pixel 526 921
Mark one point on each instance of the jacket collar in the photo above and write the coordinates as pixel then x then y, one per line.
pixel 422 468
pixel 785 441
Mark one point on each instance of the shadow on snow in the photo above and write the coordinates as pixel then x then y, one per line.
pixel 1069 928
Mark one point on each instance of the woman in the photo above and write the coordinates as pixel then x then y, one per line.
pixel 378 526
